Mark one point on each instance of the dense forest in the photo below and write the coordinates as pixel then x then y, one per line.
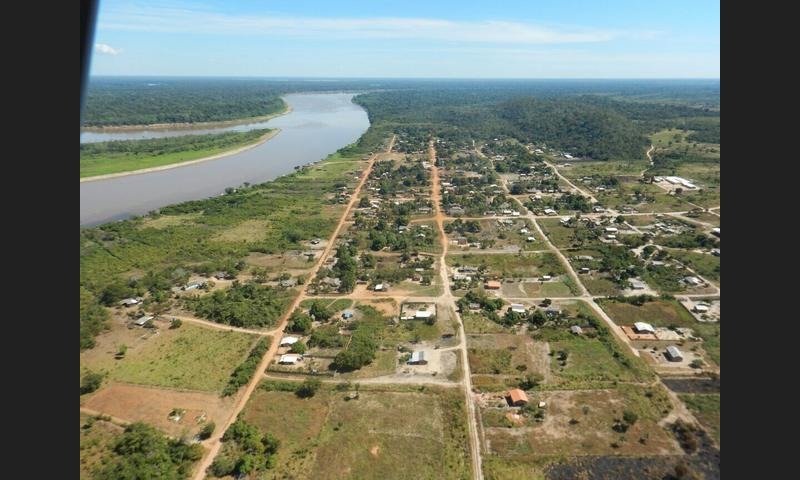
pixel 163 146
pixel 599 120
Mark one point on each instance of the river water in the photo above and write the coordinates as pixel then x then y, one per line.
pixel 318 125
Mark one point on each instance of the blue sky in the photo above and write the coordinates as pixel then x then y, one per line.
pixel 409 38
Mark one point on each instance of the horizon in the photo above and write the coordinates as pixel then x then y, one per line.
pixel 517 40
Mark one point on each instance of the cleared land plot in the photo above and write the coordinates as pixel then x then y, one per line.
pixel 666 313
pixel 511 266
pixel 189 357
pixel 506 354
pixel 642 198
pixel 494 235
pixel 476 322
pixel 153 405
pixel 373 436
pixel 595 412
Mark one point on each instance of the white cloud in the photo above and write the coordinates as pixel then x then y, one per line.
pixel 181 20
pixel 105 49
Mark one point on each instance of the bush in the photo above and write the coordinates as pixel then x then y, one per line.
pixel 91 382
pixel 629 417
pixel 175 323
pixel 308 388
pixel 298 347
pixel 207 431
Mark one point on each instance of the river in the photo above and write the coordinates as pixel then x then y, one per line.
pixel 318 125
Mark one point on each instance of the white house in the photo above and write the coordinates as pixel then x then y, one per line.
pixel 641 327
pixel 694 281
pixel 701 308
pixel 290 359
pixel 546 278
pixel 576 329
pixel 287 341
pixel 612 230
pixel 423 314
pixel 142 320
pixel 418 358
pixel 517 308
pixel 550 211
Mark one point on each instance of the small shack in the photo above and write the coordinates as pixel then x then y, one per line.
pixel 517 397
pixel 418 358
pixel 673 354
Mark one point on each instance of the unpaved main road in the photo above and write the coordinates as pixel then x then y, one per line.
pixel 448 299
pixel 215 442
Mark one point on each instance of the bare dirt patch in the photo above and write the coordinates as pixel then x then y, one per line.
pixel 153 405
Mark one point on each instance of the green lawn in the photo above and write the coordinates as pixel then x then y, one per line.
pixel 189 357
pixel 704 264
pixel 104 158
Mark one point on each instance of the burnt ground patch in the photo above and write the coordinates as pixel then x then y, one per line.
pixel 703 460
pixel 692 385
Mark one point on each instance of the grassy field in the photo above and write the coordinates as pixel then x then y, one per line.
pixel 124 156
pixel 580 423
pixel 189 357
pixel 516 266
pixel 706 407
pixel 333 304
pixel 96 440
pixel 704 264
pixel 374 436
pixel 475 322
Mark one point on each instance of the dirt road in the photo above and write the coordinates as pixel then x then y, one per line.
pixel 215 442
pixel 447 298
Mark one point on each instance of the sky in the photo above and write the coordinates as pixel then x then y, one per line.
pixel 409 38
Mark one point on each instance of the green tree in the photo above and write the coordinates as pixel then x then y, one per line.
pixel 91 382
pixel 308 388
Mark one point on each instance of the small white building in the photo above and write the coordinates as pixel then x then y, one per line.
pixel 379 287
pixel 576 329
pixel 290 359
pixel 637 284
pixel 612 230
pixel 517 308
pixel 701 308
pixel 418 358
pixel 422 314
pixel 142 320
pixel 530 239
pixel 289 341
pixel 694 281
pixel 546 278
pixel 550 211
pixel 673 354
pixel 641 327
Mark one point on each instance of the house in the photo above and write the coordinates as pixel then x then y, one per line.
pixel 517 308
pixel 546 278
pixel 611 237
pixel 517 397
pixel 288 283
pixel 129 302
pixel 290 359
pixel 142 320
pixel 455 210
pixel 550 211
pixel 422 314
pixel 673 354
pixel 612 230
pixel 288 341
pixel 641 327
pixel 417 358
pixel 715 231
pixel 565 220
pixel 315 241
pixel 584 270
pixel 424 209
pixel 576 329
pixel 380 287
pixel 461 276
pixel 694 281
pixel 347 314
pixel 637 284
pixel 223 276
pixel 474 306
pixel 492 285
pixel 700 308
pixel 523 231
pixel 192 286
pixel 599 209
pixel 530 239
pixel 468 269
pixel 333 282
pixel 715 252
